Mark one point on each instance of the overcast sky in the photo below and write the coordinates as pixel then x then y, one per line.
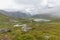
pixel 28 5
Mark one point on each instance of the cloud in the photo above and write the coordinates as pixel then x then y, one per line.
pixel 5 4
pixel 31 5
pixel 10 4
pixel 28 1
pixel 18 4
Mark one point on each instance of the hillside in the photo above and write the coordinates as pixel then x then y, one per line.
pixel 45 15
pixel 12 28
pixel 18 14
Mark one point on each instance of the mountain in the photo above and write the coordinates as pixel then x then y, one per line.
pixel 25 29
pixel 18 14
pixel 5 18
pixel 45 15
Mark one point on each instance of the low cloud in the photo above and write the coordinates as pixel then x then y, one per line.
pixel 34 6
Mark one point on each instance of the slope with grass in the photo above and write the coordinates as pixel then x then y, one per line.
pixel 39 30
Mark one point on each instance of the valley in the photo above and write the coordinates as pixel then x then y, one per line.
pixel 13 28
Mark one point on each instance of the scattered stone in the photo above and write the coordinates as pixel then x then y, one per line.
pixel 5 37
pixel 5 30
pixel 47 36
pixel 25 27
pixel 17 25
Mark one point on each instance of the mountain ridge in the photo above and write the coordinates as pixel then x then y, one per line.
pixel 18 14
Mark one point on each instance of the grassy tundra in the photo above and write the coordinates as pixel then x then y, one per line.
pixel 35 31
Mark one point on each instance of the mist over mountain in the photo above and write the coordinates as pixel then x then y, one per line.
pixel 18 14
pixel 34 12
pixel 28 8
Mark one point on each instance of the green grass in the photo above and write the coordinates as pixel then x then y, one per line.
pixel 38 32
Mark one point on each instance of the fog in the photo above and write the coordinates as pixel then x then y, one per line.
pixel 31 6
